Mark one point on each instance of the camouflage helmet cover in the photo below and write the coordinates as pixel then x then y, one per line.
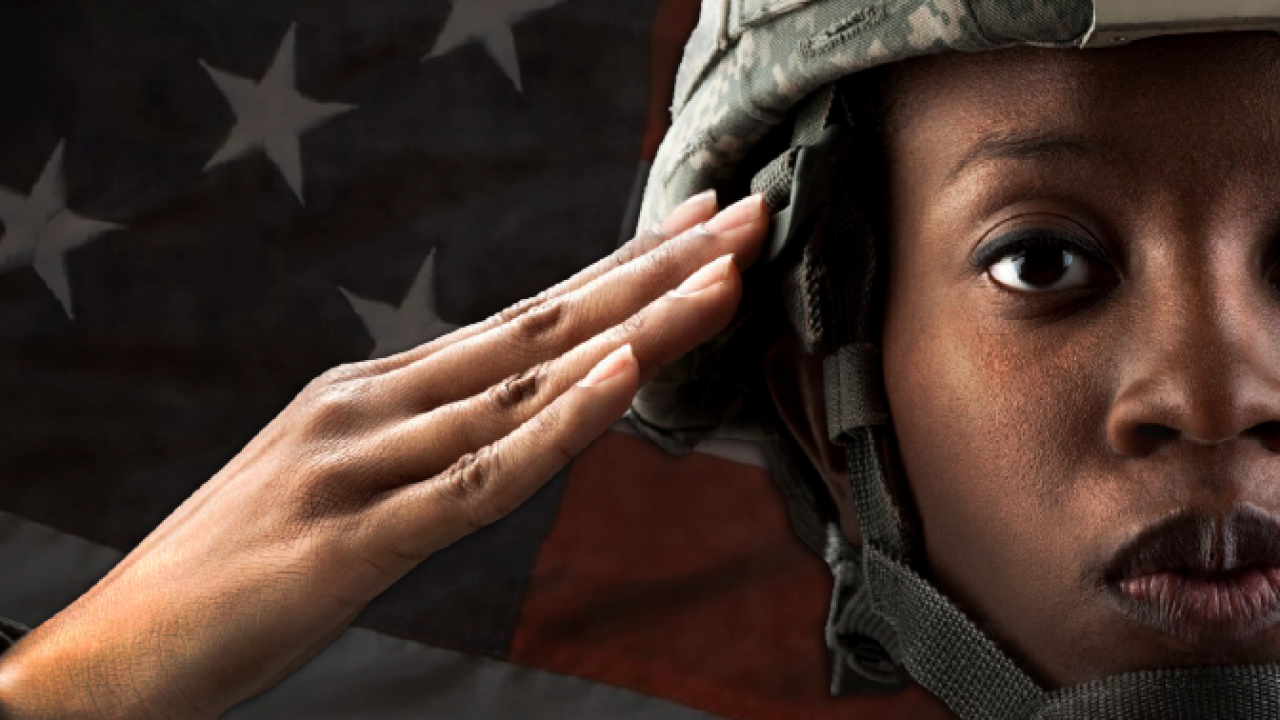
pixel 749 63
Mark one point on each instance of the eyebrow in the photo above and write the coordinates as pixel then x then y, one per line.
pixel 1021 146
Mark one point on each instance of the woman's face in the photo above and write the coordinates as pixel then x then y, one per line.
pixel 1082 346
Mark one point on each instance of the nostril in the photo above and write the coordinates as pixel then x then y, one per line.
pixel 1268 433
pixel 1146 438
pixel 1153 433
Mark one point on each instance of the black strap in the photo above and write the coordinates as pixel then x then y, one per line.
pixel 1246 692
pixel 858 418
pixel 943 650
pixel 857 400
pixel 810 235
pixel 813 115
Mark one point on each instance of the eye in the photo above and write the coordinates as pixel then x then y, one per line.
pixel 1039 261
pixel 1273 276
pixel 1041 269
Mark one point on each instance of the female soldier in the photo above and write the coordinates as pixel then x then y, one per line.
pixel 1044 342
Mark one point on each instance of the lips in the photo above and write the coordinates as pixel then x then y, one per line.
pixel 1204 580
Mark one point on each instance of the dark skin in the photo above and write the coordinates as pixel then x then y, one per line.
pixel 1040 429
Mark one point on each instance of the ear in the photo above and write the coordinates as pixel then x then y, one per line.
pixel 796 385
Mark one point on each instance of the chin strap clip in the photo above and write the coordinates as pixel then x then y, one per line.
pixel 815 165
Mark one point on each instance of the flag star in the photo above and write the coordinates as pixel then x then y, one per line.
pixel 488 21
pixel 40 230
pixel 396 329
pixel 271 115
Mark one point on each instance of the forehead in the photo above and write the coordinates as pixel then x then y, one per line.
pixel 1218 89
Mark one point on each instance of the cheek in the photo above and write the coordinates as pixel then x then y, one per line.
pixel 1001 435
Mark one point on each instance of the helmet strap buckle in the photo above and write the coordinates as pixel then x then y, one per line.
pixel 810 189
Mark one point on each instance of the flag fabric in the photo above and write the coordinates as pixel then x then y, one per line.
pixel 206 204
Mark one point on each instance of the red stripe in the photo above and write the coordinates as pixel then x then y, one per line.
pixel 681 578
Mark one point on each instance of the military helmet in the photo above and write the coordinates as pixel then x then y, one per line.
pixel 769 98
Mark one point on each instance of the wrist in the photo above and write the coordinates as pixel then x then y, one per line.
pixel 48 676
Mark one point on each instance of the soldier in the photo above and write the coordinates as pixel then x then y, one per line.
pixel 1011 340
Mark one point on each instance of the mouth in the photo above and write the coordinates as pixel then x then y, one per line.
pixel 1212 583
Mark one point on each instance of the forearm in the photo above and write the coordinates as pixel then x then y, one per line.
pixel 51 674
pixel 35 683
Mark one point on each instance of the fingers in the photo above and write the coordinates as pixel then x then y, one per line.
pixel 555 327
pixel 505 401
pixel 658 334
pixel 686 216
pixel 415 520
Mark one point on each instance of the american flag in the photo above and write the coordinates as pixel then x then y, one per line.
pixel 205 204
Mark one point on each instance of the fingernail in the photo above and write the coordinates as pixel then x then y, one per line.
pixel 737 214
pixel 713 273
pixel 613 364
pixel 700 198
pixel 694 206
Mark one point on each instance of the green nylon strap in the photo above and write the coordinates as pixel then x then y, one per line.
pixel 947 654
pixel 813 115
pixel 943 650
pixel 1246 692
pixel 774 180
pixel 859 399
pixel 857 420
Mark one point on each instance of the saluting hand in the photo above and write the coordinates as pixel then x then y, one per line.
pixel 371 469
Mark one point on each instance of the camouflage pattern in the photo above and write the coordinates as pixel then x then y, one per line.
pixel 749 62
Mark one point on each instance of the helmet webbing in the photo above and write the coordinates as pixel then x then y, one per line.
pixel 828 275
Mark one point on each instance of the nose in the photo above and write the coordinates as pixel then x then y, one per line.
pixel 1202 367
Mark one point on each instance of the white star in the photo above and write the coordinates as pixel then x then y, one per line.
pixel 40 230
pixel 488 21
pixel 413 323
pixel 271 115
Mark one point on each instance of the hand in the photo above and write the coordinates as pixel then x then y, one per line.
pixel 373 467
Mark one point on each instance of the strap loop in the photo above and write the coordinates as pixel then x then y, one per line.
pixel 810 187
pixel 775 180
pixel 854 390
pixel 797 184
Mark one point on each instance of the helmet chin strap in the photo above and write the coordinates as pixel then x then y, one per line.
pixel 887 603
